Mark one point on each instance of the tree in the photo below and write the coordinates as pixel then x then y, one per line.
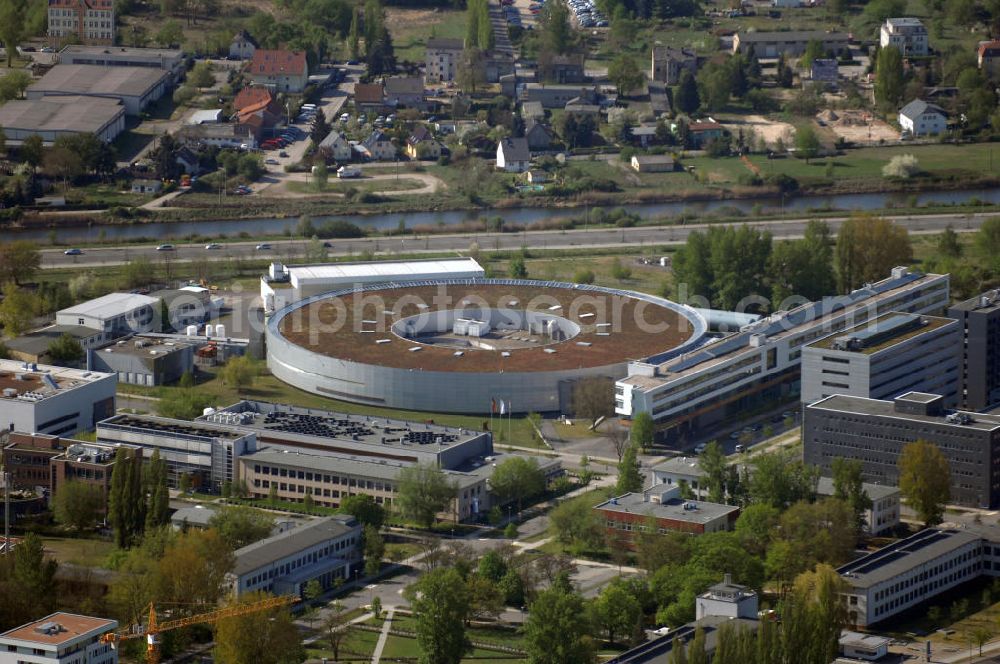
pixel 65 349
pixel 642 430
pixel 363 508
pixel 31 151
pixel 678 652
pixel 201 75
pixel 240 372
pixel 889 77
pixel 686 94
pixel 807 143
pixel 867 249
pixel 63 163
pixel 423 491
pixel 696 649
pixel 757 526
pixel 517 478
pixel 814 51
pixel 16 310
pixel 32 585
pixel 193 568
pixel 126 502
pixel 715 85
pixel 517 268
pixel 557 630
pixel 713 463
pixel 948 244
pixel 374 550
pixel 19 260
pixel 14 83
pixel 240 526
pixel 320 127
pixel 158 511
pixel 722 266
pixel 630 478
pixel 779 479
pixel 625 72
pixel 77 505
pixel 593 398
pixel 574 523
pixel 925 480
pixel 901 166
pixel 471 72
pixel 12 26
pixel 353 39
pixel 261 636
pixel 170 35
pixel 848 485
pixel 336 626
pixel 557 35
pixel 617 610
pixel 820 532
pixel 440 603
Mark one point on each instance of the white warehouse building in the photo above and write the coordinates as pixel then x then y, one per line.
pixel 287 284
pixel 117 314
pixel 52 400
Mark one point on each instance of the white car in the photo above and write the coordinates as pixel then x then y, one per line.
pixel 212 246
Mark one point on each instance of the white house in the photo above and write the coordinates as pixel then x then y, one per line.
pixel 922 119
pixel 336 148
pixel 513 155
pixel 117 314
pixel 907 34
pixel 243 46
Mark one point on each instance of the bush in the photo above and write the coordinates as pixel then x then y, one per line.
pixel 584 276
pixel 901 166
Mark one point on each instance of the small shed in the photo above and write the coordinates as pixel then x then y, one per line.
pixel 653 163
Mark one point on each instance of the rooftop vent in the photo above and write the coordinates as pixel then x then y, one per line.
pixel 49 628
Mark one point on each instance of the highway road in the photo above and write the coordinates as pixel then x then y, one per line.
pixel 286 250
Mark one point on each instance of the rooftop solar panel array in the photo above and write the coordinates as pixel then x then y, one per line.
pixel 316 425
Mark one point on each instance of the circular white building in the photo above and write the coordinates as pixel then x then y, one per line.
pixel 466 345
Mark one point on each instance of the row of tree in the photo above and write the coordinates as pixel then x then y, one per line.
pixel 736 268
pixel 138 499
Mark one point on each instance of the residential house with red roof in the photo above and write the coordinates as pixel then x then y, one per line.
pixel 280 70
pixel 257 110
pixel 988 57
pixel 88 21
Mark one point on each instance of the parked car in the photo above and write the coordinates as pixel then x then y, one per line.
pixel 741 449
pixel 282 154
pixel 165 247
pixel 700 448
pixel 271 162
pixel 73 252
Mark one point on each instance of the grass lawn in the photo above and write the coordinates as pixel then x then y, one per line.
pixel 358 645
pixel 339 186
pixel 411 28
pixel 644 278
pixel 78 551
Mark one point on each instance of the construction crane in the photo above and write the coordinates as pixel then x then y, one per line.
pixel 154 628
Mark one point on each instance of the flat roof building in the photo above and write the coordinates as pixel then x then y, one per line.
pixel 727 599
pixel 58 116
pixel 626 515
pixel 885 357
pixel 908 34
pixel 876 431
pixel 208 454
pixel 285 284
pixel 134 87
pixel 325 550
pixel 760 364
pixel 117 314
pixel 54 400
pixel 791 43
pixel 167 59
pixel 59 638
pixel 34 346
pixel 148 361
pixel 910 571
pixel 980 370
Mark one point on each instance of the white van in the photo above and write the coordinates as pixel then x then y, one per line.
pixel 348 172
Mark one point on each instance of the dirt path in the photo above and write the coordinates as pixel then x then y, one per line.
pixel 431 184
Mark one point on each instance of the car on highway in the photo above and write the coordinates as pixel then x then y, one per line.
pixel 165 247
pixel 212 246
pixel 263 246
pixel 73 252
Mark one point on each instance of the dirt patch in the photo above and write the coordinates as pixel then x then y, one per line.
pixel 401 19
pixel 857 126
pixel 769 130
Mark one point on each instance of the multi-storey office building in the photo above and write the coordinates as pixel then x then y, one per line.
pixel 53 400
pixel 208 454
pixel 883 358
pixel 760 363
pixel 875 433
pixel 980 371
pixel 59 638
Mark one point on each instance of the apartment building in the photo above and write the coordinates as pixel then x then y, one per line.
pixel 980 370
pixel 59 638
pixel 876 431
pixel 279 70
pixel 907 34
pixel 791 43
pixel 323 550
pixel 668 62
pixel 443 58
pixel 760 363
pixel 89 21
pixel 885 357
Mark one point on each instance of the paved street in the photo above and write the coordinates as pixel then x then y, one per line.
pixel 460 242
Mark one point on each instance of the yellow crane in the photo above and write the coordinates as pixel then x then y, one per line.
pixel 151 632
